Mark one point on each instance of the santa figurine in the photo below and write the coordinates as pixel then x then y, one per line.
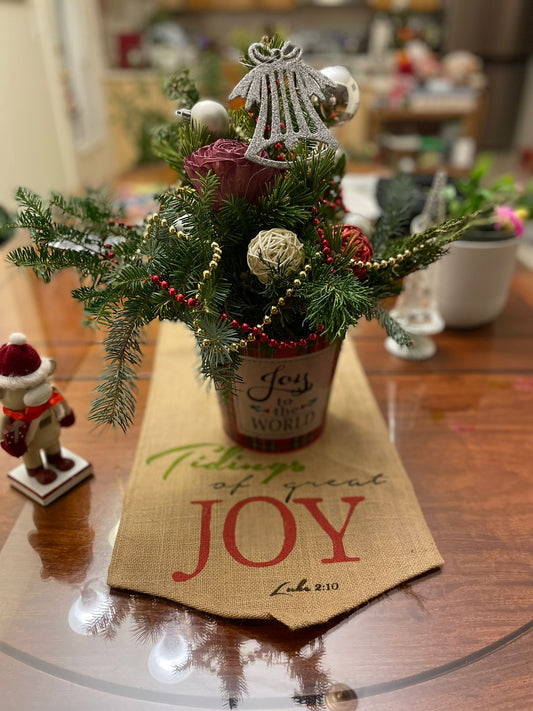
pixel 33 410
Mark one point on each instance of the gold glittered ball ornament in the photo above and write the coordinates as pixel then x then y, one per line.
pixel 275 250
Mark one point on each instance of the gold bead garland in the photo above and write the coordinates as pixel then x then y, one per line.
pixel 154 221
pixel 213 264
pixel 383 263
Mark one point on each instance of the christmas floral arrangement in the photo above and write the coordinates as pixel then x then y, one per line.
pixel 248 249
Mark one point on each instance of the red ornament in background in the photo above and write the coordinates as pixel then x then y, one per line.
pixel 355 245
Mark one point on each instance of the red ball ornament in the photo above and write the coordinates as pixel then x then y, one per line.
pixel 355 245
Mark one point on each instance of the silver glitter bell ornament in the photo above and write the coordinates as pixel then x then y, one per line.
pixel 342 100
pixel 282 87
pixel 210 114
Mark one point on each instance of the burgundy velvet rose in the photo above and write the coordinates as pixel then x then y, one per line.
pixel 355 244
pixel 237 175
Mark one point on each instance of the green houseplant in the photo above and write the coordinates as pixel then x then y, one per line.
pixel 475 277
pixel 501 205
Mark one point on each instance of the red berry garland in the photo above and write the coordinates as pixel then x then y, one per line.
pixel 254 333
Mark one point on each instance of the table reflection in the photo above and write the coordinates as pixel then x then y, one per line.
pixel 64 537
pixel 183 641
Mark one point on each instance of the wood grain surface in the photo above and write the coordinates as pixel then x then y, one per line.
pixel 459 638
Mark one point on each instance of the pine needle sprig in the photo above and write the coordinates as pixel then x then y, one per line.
pixel 45 262
pixel 220 361
pixel 193 136
pixel 274 42
pixel 92 209
pixel 337 302
pixel 423 249
pixel 238 221
pixel 130 279
pixel 182 89
pixel 114 403
pixel 165 141
pixel 34 209
pixel 397 211
pixel 172 142
pixel 392 328
pixel 242 125
pixel 34 258
pixel 287 204
pixel 99 303
pixel 429 245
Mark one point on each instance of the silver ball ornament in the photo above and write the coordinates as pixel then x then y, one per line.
pixel 342 101
pixel 210 114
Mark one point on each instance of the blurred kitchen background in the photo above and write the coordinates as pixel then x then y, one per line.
pixel 440 80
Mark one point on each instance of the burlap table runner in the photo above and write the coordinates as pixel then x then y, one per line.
pixel 300 537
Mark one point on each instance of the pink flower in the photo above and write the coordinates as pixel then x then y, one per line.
pixel 509 219
pixel 237 175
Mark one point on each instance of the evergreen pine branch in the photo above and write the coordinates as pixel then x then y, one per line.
pixel 172 142
pixel 95 208
pixel 286 205
pixel 219 361
pixel 193 136
pixel 429 245
pixel 131 276
pixel 313 169
pixel 33 258
pixel 45 262
pixel 32 203
pixel 207 188
pixel 238 221
pixel 165 145
pixel 275 42
pixel 422 249
pixel 99 304
pixel 116 393
pixel 390 325
pixel 242 125
pixel 397 210
pixel 337 301
pixel 181 88
pixel 192 203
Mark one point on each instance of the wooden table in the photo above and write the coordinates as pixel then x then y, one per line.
pixel 456 639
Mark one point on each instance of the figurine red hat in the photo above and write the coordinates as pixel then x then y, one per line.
pixel 20 364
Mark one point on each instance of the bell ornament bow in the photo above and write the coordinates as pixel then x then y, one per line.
pixel 282 86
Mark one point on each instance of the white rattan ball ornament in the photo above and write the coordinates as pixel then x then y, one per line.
pixel 275 250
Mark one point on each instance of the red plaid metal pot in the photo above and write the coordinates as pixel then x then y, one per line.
pixel 282 400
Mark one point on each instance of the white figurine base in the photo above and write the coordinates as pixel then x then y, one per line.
pixel 423 348
pixel 44 494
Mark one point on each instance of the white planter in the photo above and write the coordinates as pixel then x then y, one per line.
pixel 474 281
